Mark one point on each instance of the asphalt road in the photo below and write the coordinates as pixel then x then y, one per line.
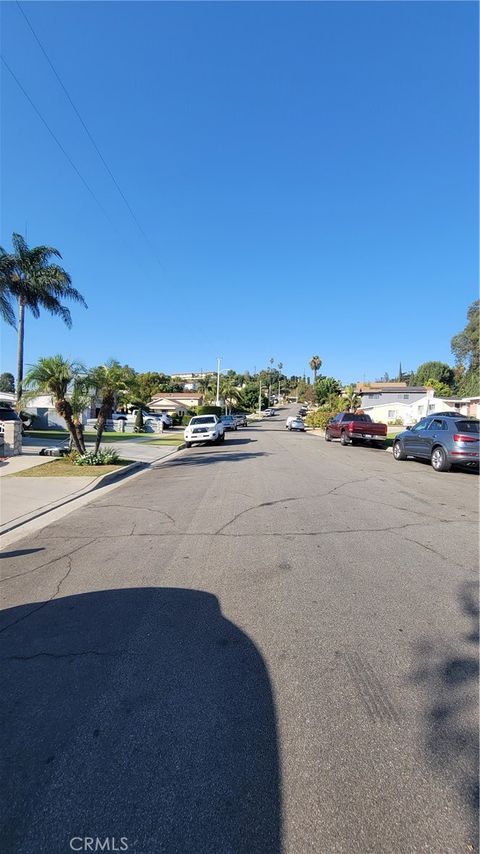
pixel 267 646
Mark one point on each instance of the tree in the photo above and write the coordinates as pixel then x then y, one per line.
pixel 230 392
pixel 7 383
pixel 439 371
pixel 250 397
pixel 26 275
pixel 54 375
pixel 351 399
pixel 466 349
pixel 315 364
pixel 440 389
pixel 139 421
pixel 325 387
pixel 111 383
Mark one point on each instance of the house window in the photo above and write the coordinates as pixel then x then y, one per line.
pixel 406 396
pixel 392 413
pixel 431 407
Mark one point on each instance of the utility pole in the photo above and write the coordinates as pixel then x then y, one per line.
pixel 218 380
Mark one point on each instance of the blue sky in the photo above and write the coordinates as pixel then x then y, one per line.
pixel 306 172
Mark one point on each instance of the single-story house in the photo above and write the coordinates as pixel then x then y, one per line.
pixel 171 402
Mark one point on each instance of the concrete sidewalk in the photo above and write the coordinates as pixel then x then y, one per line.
pixel 25 499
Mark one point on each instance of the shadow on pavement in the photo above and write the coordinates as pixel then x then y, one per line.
pixel 192 457
pixel 142 714
pixel 20 552
pixel 449 678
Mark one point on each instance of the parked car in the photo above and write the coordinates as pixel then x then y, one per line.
pixel 241 419
pixel 229 422
pixel 295 423
pixel 130 417
pixel 303 411
pixel 444 439
pixel 204 428
pixel 268 413
pixel 350 427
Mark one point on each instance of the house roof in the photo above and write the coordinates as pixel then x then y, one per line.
pixel 177 395
pixel 389 389
pixel 380 385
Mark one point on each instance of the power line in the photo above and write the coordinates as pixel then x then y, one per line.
pixel 91 138
pixel 62 149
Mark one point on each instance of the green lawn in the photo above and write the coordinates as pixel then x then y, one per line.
pixel 168 440
pixel 64 468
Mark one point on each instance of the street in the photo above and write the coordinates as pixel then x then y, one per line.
pixel 266 646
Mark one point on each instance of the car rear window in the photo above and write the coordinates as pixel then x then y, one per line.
pixel 467 426
pixel 354 416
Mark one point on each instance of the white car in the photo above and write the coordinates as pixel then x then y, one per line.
pixel 294 422
pixel 204 428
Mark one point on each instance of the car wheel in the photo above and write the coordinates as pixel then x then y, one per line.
pixel 344 440
pixel 328 438
pixel 222 437
pixel 399 452
pixel 188 444
pixel 439 460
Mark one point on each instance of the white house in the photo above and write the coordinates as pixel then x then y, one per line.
pixel 409 412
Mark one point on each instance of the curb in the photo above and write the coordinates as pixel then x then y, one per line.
pixel 106 480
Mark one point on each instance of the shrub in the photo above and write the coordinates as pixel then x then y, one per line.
pixel 319 418
pixel 103 457
pixel 139 421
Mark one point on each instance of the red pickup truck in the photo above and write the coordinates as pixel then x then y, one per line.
pixel 352 426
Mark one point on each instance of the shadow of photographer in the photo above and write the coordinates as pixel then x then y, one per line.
pixel 142 714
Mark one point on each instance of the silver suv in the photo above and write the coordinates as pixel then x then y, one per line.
pixel 445 439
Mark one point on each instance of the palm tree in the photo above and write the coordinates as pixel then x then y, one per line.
pixel 204 385
pixel 315 364
pixel 230 392
pixel 109 381
pixel 54 375
pixel 27 276
pixel 279 368
pixel 352 399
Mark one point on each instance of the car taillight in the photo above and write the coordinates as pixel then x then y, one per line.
pixel 459 437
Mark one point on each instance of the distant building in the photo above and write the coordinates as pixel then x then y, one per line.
pixel 175 402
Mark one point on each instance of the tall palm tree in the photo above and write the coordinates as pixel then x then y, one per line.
pixel 55 375
pixel 315 364
pixel 204 386
pixel 351 399
pixel 28 276
pixel 279 368
pixel 109 381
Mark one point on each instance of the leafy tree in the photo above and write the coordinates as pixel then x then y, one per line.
pixel 315 364
pixel 326 387
pixel 466 349
pixel 439 371
pixel 7 383
pixel 301 389
pixel 54 375
pixel 351 399
pixel 309 395
pixel 440 389
pixel 110 381
pixel 28 277
pixel 250 397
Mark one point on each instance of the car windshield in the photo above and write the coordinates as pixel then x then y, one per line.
pixel 203 419
pixel 227 417
pixel 467 426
